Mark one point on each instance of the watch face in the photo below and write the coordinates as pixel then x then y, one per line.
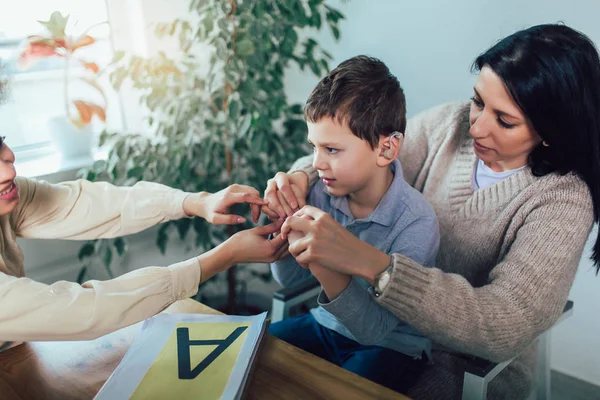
pixel 383 281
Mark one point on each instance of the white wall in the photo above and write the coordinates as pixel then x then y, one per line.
pixel 430 45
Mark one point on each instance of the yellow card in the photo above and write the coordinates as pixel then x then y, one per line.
pixel 195 363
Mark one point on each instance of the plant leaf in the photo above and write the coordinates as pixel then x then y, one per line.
pixel 118 56
pixel 56 24
pixel 107 256
pixel 245 48
pixel 91 66
pixel 86 250
pixel 82 41
pixel 162 239
pixel 98 111
pixel 121 246
pixel 33 53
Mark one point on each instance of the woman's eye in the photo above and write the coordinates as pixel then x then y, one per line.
pixel 477 102
pixel 505 125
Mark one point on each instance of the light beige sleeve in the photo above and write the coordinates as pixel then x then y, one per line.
pixel 68 311
pixel 86 210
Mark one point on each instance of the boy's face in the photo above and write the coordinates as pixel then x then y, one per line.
pixel 345 162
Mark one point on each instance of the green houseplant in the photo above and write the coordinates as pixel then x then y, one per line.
pixel 230 124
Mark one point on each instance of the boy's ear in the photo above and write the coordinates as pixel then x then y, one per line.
pixel 390 147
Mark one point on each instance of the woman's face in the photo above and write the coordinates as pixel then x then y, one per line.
pixel 503 136
pixel 9 193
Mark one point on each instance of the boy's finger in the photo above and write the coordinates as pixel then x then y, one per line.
pixel 255 212
pixel 285 188
pixel 273 216
pixel 286 207
pixel 299 197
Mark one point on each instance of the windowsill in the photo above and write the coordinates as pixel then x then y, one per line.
pixel 47 75
pixel 53 165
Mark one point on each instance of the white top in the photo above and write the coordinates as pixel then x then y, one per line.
pixel 484 176
pixel 83 210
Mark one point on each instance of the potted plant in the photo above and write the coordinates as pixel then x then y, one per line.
pixel 228 123
pixel 72 132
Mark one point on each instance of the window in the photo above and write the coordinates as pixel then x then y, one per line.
pixel 37 94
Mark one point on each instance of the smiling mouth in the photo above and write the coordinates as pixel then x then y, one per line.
pixel 7 191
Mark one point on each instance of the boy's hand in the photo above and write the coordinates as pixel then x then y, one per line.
pixel 333 282
pixel 285 194
pixel 214 207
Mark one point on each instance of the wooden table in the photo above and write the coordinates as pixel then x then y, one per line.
pixel 77 370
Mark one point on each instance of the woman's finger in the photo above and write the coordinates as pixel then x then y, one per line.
pixel 299 247
pixel 227 219
pixel 245 197
pixel 237 188
pixel 296 223
pixel 268 229
pixel 282 251
pixel 313 212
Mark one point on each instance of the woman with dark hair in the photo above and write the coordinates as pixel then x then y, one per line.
pixel 514 178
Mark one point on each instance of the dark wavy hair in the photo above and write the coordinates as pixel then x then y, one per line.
pixel 362 92
pixel 552 73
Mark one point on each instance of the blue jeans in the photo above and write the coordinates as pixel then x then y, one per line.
pixel 384 366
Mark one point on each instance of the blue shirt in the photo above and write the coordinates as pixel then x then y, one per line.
pixel 403 222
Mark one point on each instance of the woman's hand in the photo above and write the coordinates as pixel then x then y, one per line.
pixel 245 246
pixel 251 245
pixel 214 207
pixel 285 194
pixel 330 245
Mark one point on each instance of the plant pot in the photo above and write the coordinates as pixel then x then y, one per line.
pixel 70 140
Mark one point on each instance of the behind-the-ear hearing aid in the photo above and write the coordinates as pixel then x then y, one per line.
pixel 389 153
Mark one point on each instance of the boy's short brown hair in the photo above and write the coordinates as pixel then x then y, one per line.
pixel 363 93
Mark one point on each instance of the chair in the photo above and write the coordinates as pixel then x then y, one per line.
pixel 291 301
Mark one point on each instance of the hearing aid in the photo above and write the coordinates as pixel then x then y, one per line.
pixel 389 153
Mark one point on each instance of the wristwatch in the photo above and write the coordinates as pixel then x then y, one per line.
pixel 383 279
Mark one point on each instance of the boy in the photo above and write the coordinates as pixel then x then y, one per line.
pixel 355 117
